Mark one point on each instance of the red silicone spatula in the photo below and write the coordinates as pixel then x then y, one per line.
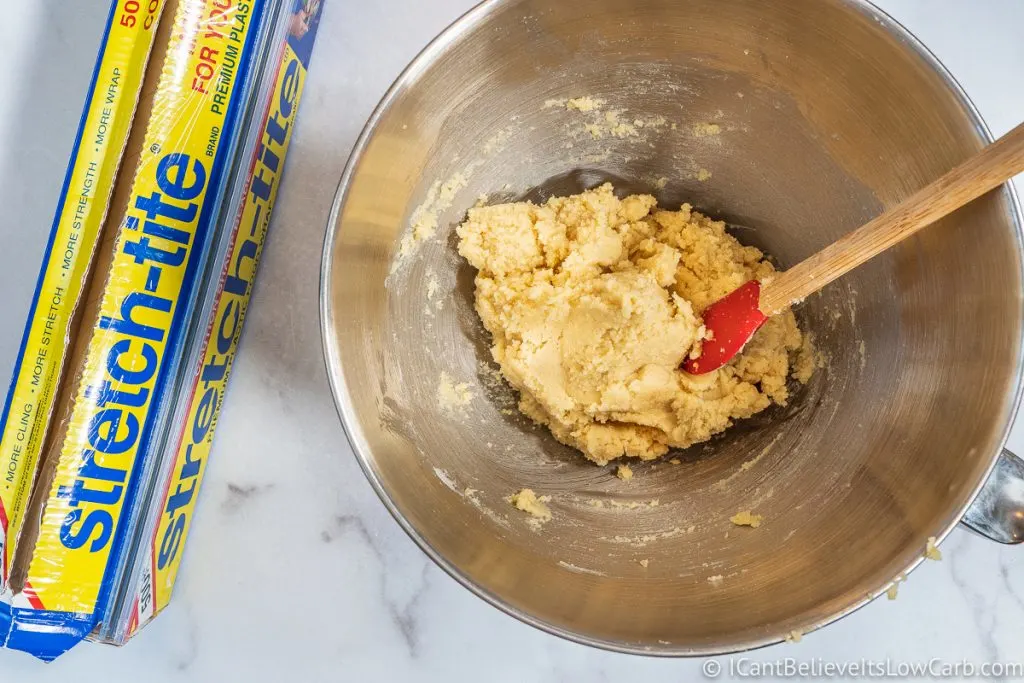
pixel 733 319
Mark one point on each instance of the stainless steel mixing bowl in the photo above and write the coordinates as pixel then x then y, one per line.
pixel 827 111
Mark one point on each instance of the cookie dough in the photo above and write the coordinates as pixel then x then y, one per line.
pixel 532 504
pixel 746 518
pixel 593 303
pixel 931 551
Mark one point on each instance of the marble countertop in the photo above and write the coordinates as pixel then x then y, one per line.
pixel 294 569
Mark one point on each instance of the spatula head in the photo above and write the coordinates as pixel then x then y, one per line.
pixel 731 322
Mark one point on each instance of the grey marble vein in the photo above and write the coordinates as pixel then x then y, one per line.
pixel 1011 592
pixel 983 613
pixel 404 616
pixel 187 658
pixel 240 494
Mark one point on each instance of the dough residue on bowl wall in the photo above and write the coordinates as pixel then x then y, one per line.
pixel 585 103
pixel 439 197
pixel 532 504
pixel 453 396
pixel 643 540
pixel 424 221
pixel 600 122
pixel 746 518
pixel 593 121
pixel 704 130
pixel 435 300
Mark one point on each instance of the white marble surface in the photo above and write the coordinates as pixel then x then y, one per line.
pixel 294 570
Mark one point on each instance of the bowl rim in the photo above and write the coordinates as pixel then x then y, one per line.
pixel 360 446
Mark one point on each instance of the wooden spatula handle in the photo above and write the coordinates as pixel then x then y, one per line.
pixel 983 172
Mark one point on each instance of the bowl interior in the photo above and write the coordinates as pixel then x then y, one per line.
pixel 795 122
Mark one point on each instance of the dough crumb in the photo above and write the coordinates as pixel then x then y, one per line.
pixel 746 518
pixel 893 589
pixel 644 563
pixel 533 505
pixel 931 551
pixel 624 472
pixel 661 183
pixel 794 636
pixel 716 580
pixel 703 175
pixel 703 130
pixel 601 124
pixel 451 396
pixel 593 302
pixel 617 127
pixel 675 461
pixel 585 103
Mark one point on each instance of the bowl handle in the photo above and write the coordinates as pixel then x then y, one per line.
pixel 998 511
